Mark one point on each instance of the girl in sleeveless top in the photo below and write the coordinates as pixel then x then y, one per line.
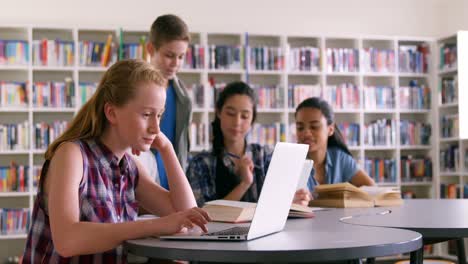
pixel 90 187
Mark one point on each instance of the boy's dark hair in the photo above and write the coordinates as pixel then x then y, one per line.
pixel 167 28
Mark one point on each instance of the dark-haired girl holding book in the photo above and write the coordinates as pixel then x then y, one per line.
pixel 333 162
pixel 234 169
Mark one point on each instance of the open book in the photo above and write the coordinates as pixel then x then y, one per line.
pixel 235 211
pixel 347 195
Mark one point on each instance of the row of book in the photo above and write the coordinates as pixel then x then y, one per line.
pixel 196 93
pixel 341 96
pixel 133 50
pixel 265 58
pixel 415 96
pixel 350 133
pixel 414 58
pixel 46 133
pixel 226 57
pixel 452 191
pixel 304 59
pixel 449 158
pixel 87 89
pixel 414 133
pixel 14 136
pixel 97 54
pixel 448 88
pixel 381 61
pixel 267 134
pixel 449 126
pixel 381 170
pixel 54 94
pixel 13 178
pixel 342 60
pixel 268 96
pixel 13 94
pixel 380 132
pixel 14 52
pixel 195 57
pixel 14 220
pixel 448 56
pixel 415 169
pixel 47 52
pixel 379 97
pixel 197 135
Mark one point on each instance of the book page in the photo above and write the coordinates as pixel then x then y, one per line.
pixel 305 174
pixel 237 204
pixel 375 191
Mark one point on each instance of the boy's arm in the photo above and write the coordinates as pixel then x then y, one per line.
pixel 180 197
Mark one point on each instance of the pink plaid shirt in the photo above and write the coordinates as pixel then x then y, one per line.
pixel 107 195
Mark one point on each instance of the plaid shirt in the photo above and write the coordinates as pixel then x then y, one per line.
pixel 201 173
pixel 107 195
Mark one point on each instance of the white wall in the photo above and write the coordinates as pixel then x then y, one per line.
pixel 368 17
pixel 454 17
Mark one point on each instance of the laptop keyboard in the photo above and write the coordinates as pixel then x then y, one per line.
pixel 238 230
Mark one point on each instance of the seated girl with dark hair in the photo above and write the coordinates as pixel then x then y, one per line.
pixel 234 169
pixel 333 162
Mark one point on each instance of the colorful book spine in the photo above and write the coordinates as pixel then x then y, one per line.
pixel 379 97
pixel 46 133
pixel 86 91
pixel 449 191
pixel 266 134
pixel 381 132
pixel 448 90
pixel 54 94
pixel 14 52
pixel 342 96
pixel 14 178
pixel 225 57
pixel 416 169
pixel 268 96
pixel 14 136
pixel 449 158
pixel 381 170
pixel 448 56
pixel 97 54
pixel 57 52
pixel 197 135
pixel 414 58
pixel 265 58
pixel 350 132
pixel 14 221
pixel 378 61
pixel 13 94
pixel 195 57
pixel 342 60
pixel 449 126
pixel 414 96
pixel 305 59
pixel 414 133
pixel 196 93
pixel 299 92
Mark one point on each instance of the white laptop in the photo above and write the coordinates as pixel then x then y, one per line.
pixel 275 198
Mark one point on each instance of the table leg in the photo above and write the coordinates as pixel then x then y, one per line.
pixel 461 251
pixel 417 257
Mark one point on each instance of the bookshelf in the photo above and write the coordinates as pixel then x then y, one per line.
pixel 452 138
pixel 367 78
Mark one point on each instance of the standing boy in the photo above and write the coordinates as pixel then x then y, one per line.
pixel 169 39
